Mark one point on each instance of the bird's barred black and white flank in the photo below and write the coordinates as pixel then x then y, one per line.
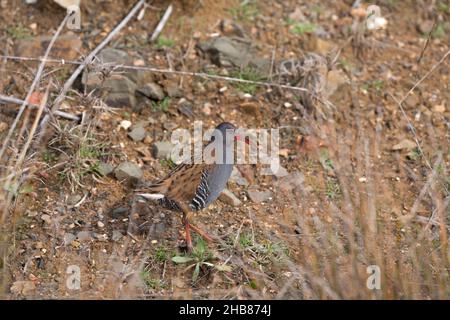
pixel 201 195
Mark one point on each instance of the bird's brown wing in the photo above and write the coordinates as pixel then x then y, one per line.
pixel 181 184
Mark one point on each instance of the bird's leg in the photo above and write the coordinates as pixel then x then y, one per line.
pixel 202 233
pixel 188 226
pixel 188 232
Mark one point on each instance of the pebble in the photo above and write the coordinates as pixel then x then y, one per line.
pixel 229 198
pixel 116 235
pixel 118 213
pixel 152 91
pixel 137 134
pixel 440 108
pixel 128 171
pixel 162 149
pixel 46 218
pixel 100 224
pixel 105 168
pixel 125 124
pixel 69 238
pixel 259 196
pixel 84 236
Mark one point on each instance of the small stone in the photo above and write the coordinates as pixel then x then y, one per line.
pixel 105 168
pixel 116 235
pixel 229 198
pixel 259 196
pixel 412 101
pixel 223 89
pixel 69 238
pixel 405 144
pixel 162 149
pixel 118 213
pixel 128 171
pixel 236 176
pixel 185 107
pixel 125 124
pixel 173 90
pixel 440 108
pixel 293 181
pixel 169 126
pixel 137 134
pixel 47 219
pixel 152 91
pixel 101 237
pixel 100 224
pixel 425 26
pixel 3 126
pixel 207 108
pixel 139 63
pixel 74 199
pixel 84 236
pixel 362 179
pixel 23 287
pixel 287 104
pixel 281 172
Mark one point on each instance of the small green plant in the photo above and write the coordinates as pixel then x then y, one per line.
pixel 18 32
pixel 150 282
pixel 443 7
pixel 164 43
pixel 247 74
pixel 162 105
pixel 161 254
pixel 245 240
pixel 82 150
pixel 168 163
pixel 332 189
pixel 200 257
pixel 300 28
pixel 439 31
pixel 245 11
pixel 414 154
pixel 375 85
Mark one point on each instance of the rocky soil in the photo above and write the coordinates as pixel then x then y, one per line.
pixel 364 178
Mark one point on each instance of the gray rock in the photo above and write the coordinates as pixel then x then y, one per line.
pixel 293 181
pixel 152 91
pixel 73 199
pixel 237 177
pixel 169 126
pixel 84 236
pixel 162 149
pixel 229 198
pixel 173 90
pixel 185 107
pixel 259 196
pixel 47 219
pixel 237 52
pixel 105 168
pixel 120 91
pixel 137 134
pixel 69 238
pixel 118 213
pixel 128 171
pixel 116 235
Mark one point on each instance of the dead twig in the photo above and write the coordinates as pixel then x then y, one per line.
pixel 33 86
pixel 161 23
pixel 68 84
pixel 62 114
pixel 168 71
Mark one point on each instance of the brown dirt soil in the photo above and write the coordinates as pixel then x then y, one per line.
pixel 353 202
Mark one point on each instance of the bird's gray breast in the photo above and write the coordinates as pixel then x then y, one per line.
pixel 211 185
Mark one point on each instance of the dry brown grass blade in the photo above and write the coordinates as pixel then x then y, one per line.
pixel 33 86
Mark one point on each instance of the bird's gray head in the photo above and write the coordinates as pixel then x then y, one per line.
pixel 225 133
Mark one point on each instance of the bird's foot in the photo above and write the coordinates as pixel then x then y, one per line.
pixel 202 233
